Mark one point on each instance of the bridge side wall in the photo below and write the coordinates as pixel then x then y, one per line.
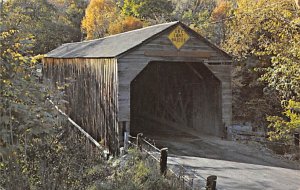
pixel 91 94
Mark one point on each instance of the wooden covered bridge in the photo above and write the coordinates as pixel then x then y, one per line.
pixel 147 80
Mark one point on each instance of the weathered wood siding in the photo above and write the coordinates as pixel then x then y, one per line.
pixel 161 48
pixel 223 72
pixel 92 94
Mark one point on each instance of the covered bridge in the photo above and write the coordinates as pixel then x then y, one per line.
pixel 151 80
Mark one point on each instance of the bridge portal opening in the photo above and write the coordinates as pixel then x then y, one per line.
pixel 171 98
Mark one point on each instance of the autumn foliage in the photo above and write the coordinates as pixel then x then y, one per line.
pixel 98 16
pixel 103 17
pixel 221 11
pixel 125 24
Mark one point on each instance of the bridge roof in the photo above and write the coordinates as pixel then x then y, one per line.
pixel 110 46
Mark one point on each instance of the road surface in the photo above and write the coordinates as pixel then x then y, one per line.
pixel 237 166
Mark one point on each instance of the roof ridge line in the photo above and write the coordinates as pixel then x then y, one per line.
pixel 87 41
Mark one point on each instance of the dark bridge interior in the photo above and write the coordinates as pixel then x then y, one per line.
pixel 168 98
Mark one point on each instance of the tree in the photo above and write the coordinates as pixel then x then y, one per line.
pixel 71 14
pixel 23 113
pixel 189 10
pixel 269 33
pixel 282 128
pixel 218 17
pixel 198 15
pixel 158 11
pixel 98 16
pixel 130 8
pixel 125 24
pixel 53 23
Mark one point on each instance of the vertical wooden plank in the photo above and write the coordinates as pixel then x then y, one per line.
pixel 93 95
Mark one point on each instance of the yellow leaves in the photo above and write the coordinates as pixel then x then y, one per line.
pixel 99 14
pixel 125 24
pixel 297 3
pixel 262 26
pixel 103 17
pixel 37 58
pixel 7 34
pixel 282 128
pixel 1 165
pixel 7 82
pixel 27 77
pixel 221 11
pixel 19 70
pixel 287 13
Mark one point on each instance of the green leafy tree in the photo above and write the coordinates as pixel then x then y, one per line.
pixel 130 8
pixel 23 111
pixel 49 23
pixel 25 117
pixel 71 13
pixel 268 33
pixel 154 11
pixel 283 128
pixel 205 16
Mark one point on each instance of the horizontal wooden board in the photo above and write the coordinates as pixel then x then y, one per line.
pixel 201 54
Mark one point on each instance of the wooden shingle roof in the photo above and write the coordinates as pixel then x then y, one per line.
pixel 108 47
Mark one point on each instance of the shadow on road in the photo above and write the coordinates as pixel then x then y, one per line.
pixel 195 145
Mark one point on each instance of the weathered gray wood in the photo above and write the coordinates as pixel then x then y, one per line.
pixel 150 51
pixel 139 139
pixel 163 161
pixel 126 138
pixel 211 182
pixel 156 53
pixel 101 99
pixel 92 95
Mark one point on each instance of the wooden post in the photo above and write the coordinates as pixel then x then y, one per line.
pixel 139 141
pixel 296 139
pixel 126 135
pixel 211 182
pixel 163 161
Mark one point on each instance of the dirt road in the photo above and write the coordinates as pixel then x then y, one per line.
pixel 238 166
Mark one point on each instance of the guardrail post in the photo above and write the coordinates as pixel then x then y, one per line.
pixel 211 182
pixel 126 138
pixel 139 141
pixel 296 139
pixel 163 161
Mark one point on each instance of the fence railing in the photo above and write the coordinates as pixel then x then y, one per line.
pixel 92 146
pixel 184 177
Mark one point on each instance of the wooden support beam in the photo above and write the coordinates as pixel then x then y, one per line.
pixel 201 54
pixel 194 70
